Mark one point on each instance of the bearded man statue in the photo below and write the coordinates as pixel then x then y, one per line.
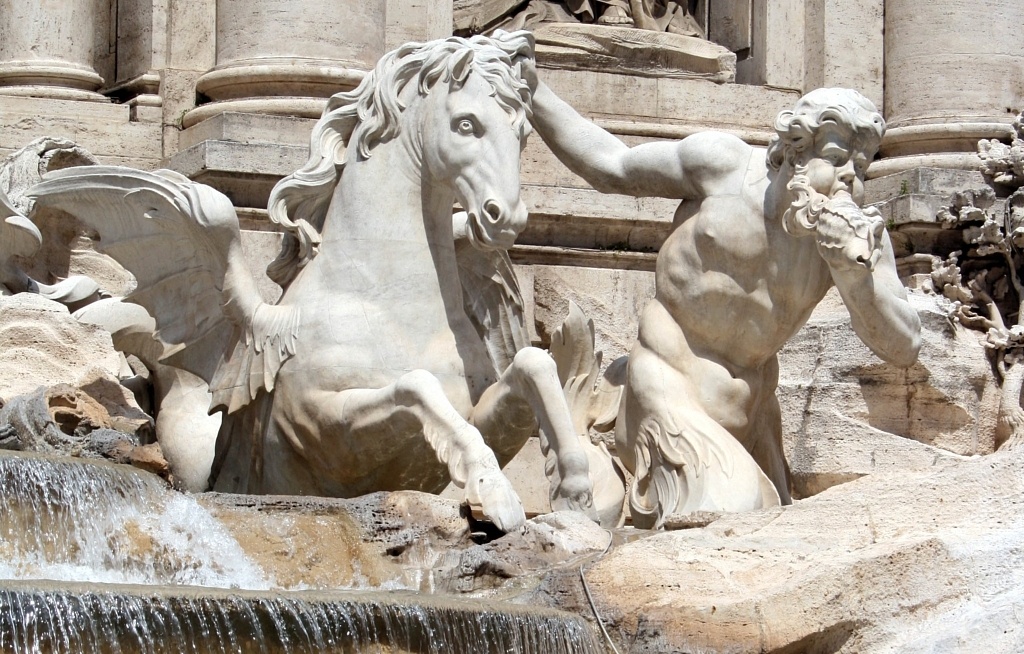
pixel 759 238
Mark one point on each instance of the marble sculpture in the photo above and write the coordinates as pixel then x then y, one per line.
pixel 368 374
pixel 759 237
pixel 397 356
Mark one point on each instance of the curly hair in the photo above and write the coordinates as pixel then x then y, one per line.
pixel 355 122
pixel 844 107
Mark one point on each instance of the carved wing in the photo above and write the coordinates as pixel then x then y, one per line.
pixel 493 301
pixel 181 241
pixel 18 235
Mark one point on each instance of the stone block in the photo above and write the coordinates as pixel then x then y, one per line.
pixel 245 172
pixel 191 35
pixel 776 54
pixel 249 129
pixel 942 182
pixel 106 130
pixel 416 20
pixel 698 103
pixel 584 218
pixel 613 299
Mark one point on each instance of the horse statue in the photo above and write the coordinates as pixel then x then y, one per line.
pixel 368 374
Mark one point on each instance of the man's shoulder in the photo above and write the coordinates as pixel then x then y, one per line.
pixel 710 157
pixel 716 145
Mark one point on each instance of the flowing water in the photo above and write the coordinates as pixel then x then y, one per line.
pixel 99 558
pixel 136 619
pixel 71 520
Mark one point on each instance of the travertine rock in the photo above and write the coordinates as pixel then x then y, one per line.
pixel 401 539
pixel 42 345
pixel 924 561
pixel 382 539
pixel 560 540
pixel 846 414
pixel 70 421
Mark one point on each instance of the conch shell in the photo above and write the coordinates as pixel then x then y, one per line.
pixel 857 232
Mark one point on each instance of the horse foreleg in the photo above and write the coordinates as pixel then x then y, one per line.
pixel 416 405
pixel 532 378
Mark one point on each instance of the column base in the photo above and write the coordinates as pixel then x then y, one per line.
pixel 280 77
pixel 53 93
pixel 929 138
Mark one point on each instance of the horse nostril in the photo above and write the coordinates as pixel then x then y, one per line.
pixel 493 211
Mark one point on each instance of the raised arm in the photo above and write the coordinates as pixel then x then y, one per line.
pixel 685 169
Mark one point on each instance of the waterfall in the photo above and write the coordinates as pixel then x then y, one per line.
pixel 97 558
pixel 75 520
pixel 89 620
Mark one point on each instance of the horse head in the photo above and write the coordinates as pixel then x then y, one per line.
pixel 472 128
pixel 463 108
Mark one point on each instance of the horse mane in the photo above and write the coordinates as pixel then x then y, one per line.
pixel 355 122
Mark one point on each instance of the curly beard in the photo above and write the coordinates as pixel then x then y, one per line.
pixel 801 217
pixel 842 227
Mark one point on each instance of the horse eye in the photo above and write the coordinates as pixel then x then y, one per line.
pixel 466 127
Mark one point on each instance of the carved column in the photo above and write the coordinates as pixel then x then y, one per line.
pixel 954 74
pixel 844 46
pixel 282 56
pixel 48 48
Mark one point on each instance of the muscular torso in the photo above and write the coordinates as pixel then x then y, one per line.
pixel 732 287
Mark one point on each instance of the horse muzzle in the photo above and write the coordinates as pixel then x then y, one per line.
pixel 495 226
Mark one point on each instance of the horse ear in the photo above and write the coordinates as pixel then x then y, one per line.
pixel 460 65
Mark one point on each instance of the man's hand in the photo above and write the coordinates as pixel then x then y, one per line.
pixel 849 238
pixel 528 71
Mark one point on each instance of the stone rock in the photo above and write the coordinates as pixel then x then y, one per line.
pixel 895 562
pixel 401 539
pixel 66 420
pixel 42 345
pixel 383 539
pixel 145 457
pixel 845 413
pixel 558 540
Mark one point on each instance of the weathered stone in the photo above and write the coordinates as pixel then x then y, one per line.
pixel 847 414
pixel 613 299
pixel 66 420
pixel 902 561
pixel 383 539
pixel 42 345
pixel 847 38
pixel 572 46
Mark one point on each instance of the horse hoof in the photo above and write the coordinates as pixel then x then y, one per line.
pixel 491 494
pixel 575 493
